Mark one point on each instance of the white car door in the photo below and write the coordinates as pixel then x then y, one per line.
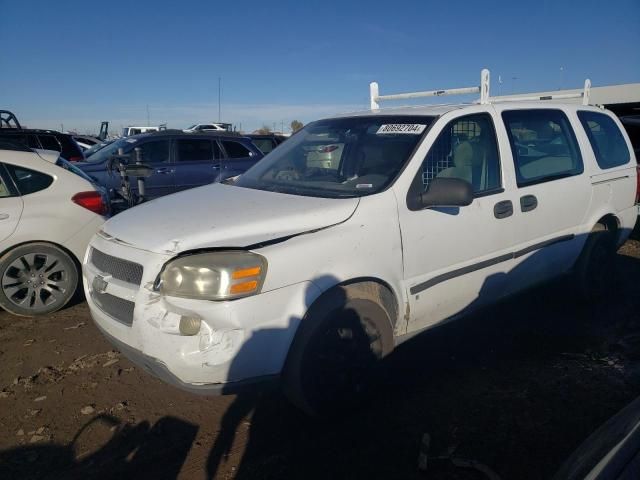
pixel 456 258
pixel 553 192
pixel 10 207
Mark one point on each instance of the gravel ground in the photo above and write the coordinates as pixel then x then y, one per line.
pixel 516 387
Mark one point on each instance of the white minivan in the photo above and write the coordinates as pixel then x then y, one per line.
pixel 308 274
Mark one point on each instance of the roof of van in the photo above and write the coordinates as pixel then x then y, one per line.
pixel 438 110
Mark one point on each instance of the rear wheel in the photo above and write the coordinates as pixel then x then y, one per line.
pixel 595 270
pixel 36 279
pixel 335 357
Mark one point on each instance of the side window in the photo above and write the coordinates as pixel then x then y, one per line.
pixel 217 151
pixel 5 191
pixel 49 142
pixel 606 140
pixel 543 144
pixel 192 150
pixel 155 152
pixel 28 181
pixel 32 141
pixel 265 145
pixel 235 149
pixel 466 149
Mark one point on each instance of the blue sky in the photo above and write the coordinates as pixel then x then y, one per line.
pixel 79 62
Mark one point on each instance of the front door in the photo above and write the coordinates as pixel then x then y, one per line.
pixel 197 162
pixel 457 258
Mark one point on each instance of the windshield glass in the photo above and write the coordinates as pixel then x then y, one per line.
pixel 98 146
pixel 111 149
pixel 343 157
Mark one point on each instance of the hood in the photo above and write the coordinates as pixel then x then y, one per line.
pixel 221 215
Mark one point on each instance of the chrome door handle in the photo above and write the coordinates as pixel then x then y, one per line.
pixel 4 216
pixel 164 171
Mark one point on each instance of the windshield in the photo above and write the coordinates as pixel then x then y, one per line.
pixel 343 157
pixel 98 146
pixel 105 152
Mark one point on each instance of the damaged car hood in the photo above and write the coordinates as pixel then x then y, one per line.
pixel 221 215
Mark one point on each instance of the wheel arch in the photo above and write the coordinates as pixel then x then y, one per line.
pixel 609 222
pixel 362 288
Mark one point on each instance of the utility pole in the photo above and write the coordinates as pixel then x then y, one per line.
pixel 561 77
pixel 62 127
pixel 219 97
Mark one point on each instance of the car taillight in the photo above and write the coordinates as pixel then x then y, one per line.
pixel 93 201
pixel 76 159
pixel 329 148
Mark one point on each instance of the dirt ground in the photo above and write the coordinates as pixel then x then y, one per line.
pixel 516 387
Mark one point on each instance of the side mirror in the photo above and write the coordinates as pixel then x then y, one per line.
pixel 446 192
pixel 138 170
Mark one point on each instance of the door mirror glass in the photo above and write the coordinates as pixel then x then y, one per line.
pixel 446 192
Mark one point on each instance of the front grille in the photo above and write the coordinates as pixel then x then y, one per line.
pixel 124 270
pixel 117 308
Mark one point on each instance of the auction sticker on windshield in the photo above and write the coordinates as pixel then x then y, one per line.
pixel 404 128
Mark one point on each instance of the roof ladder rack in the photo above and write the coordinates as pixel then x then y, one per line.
pixel 483 90
pixel 585 94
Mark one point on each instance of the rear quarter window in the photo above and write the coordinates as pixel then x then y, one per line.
pixel 607 142
pixel 27 180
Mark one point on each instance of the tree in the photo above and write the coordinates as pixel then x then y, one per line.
pixel 264 130
pixel 296 125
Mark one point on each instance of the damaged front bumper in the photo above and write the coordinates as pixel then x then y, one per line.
pixel 240 342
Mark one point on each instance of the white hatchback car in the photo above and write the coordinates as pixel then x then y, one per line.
pixel 49 210
pixel 309 274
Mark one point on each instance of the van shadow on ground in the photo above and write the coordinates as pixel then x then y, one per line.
pixel 516 386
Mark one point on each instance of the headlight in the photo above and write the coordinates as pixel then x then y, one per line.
pixel 214 275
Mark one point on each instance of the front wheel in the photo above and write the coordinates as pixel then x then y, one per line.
pixel 37 279
pixel 334 360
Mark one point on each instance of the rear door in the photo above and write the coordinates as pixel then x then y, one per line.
pixel 197 162
pixel 553 192
pixel 238 158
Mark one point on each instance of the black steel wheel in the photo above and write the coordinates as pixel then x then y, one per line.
pixel 333 365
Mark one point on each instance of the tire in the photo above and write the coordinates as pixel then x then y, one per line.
pixel 595 269
pixel 37 279
pixel 334 360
